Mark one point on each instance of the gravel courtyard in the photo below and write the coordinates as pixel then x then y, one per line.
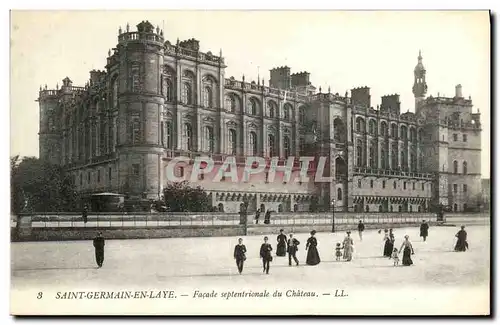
pixel 440 281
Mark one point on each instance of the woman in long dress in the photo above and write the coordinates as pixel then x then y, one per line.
pixel 281 247
pixel 387 243
pixel 461 245
pixel 312 251
pixel 348 245
pixel 408 251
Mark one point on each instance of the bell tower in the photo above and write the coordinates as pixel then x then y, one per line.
pixel 419 84
pixel 140 103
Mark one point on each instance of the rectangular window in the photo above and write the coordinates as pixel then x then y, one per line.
pixel 135 74
pixel 455 188
pixel 383 184
pixel 455 137
pixel 136 129
pixel 465 137
pixel 181 171
pixel 465 188
pixel 88 177
pixel 413 186
pixel 109 173
pixel 423 186
pixel 162 134
pixel 404 186
pixel 81 179
pixel 98 176
pixel 135 169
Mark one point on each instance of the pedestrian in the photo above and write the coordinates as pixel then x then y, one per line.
pixel 267 217
pixel 265 254
pixel 281 247
pixel 292 250
pixel 361 228
pixel 99 249
pixel 338 252
pixel 348 246
pixel 461 245
pixel 407 249
pixel 424 229
pixel 387 249
pixel 84 213
pixel 389 244
pixel 257 216
pixel 395 256
pixel 312 250
pixel 239 254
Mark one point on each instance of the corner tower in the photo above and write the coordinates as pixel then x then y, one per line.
pixel 419 84
pixel 49 134
pixel 140 103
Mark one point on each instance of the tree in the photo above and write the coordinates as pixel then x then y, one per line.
pixel 181 197
pixel 39 186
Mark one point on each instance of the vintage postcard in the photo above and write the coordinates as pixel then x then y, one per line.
pixel 250 163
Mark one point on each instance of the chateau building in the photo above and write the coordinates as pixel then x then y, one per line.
pixel 156 101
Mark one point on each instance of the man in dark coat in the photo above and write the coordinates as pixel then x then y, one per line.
pixel 84 213
pixel 361 228
pixel 99 249
pixel 239 254
pixel 292 250
pixel 267 217
pixel 424 229
pixel 257 216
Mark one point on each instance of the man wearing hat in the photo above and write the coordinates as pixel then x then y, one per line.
pixel 265 254
pixel 292 249
pixel 99 249
pixel 424 229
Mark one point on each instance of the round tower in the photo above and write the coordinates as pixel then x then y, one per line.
pixel 419 84
pixel 49 134
pixel 140 104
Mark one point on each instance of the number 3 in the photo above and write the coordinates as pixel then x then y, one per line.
pixel 40 295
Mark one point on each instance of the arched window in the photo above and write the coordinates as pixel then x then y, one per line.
pixel 271 112
pixel 286 111
pixel 208 97
pixel 373 156
pixel 169 135
pixel 359 153
pixel 339 133
pixel 464 168
pixel 360 125
pixel 188 137
pixel 339 194
pixel 404 132
pixel 280 208
pixel 302 145
pixel 51 124
pixel 372 127
pixel 383 164
pixel 380 208
pixel 209 138
pixel 420 135
pixel 383 129
pixel 231 103
pixel 271 145
pixel 394 130
pixel 252 107
pixel 455 207
pixel 367 208
pixel 187 94
pixel 465 207
pixel 394 156
pixel 252 143
pixel 400 208
pixel 286 145
pixel 232 142
pixel 302 115
pixel 455 167
pixel 167 89
pixel 295 207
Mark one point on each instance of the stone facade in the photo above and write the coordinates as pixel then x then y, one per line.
pixel 156 101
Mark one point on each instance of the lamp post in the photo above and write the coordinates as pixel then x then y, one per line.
pixel 333 215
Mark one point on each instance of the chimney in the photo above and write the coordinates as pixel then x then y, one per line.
pixel 458 91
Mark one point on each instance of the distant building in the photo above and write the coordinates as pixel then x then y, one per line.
pixel 158 100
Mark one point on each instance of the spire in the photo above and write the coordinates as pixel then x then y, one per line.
pixel 128 27
pixel 419 56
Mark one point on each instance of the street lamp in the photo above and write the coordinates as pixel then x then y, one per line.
pixel 333 215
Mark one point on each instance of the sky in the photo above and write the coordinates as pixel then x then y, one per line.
pixel 340 49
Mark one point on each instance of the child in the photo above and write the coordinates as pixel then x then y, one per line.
pixel 338 252
pixel 395 257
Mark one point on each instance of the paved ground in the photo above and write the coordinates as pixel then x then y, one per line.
pixel 183 264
